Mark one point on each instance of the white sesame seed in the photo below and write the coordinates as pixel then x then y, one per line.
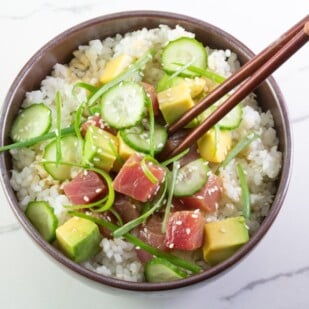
pixel 86 198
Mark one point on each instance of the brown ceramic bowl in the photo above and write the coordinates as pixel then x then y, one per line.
pixel 59 50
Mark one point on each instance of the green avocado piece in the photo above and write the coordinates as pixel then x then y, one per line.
pixel 223 238
pixel 100 148
pixel 79 238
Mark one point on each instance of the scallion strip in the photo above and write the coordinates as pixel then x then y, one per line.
pixel 133 223
pixel 171 188
pixel 108 202
pixel 36 140
pixel 92 89
pixel 175 158
pixel 129 71
pixel 240 146
pixel 180 70
pixel 58 127
pixel 86 206
pixel 151 126
pixel 206 73
pixel 194 268
pixel 152 178
pixel 245 193
pixel 77 120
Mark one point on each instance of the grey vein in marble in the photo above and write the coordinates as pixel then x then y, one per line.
pixel 9 228
pixel 300 119
pixel 254 284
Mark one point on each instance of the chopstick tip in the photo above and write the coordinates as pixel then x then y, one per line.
pixel 306 28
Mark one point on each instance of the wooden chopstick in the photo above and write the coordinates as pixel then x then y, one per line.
pixel 255 71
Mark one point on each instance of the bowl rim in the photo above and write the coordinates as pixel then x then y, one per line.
pixel 144 286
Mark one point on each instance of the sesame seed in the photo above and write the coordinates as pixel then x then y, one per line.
pixel 188 230
pixel 178 222
pixel 171 246
pixel 86 198
pixel 98 190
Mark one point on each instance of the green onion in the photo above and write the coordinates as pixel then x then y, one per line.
pixel 117 216
pixel 86 206
pixel 180 70
pixel 86 86
pixel 142 245
pixel 108 202
pixel 171 189
pixel 151 126
pixel 129 71
pixel 175 158
pixel 240 146
pixel 38 139
pixel 206 73
pixel 115 152
pixel 77 120
pixel 133 223
pixel 245 194
pixel 58 127
pixel 152 178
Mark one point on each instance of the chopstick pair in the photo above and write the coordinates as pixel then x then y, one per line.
pixel 255 71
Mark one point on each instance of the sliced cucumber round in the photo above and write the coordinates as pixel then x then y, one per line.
pixel 191 178
pixel 123 105
pixel 71 151
pixel 42 216
pixel 33 121
pixel 138 138
pixel 181 52
pixel 161 270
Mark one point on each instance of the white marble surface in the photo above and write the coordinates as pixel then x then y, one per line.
pixel 274 275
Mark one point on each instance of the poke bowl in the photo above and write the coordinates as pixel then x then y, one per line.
pixel 83 142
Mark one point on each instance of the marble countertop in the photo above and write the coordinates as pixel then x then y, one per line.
pixel 274 275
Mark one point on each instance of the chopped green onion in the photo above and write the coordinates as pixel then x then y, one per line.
pixel 86 206
pixel 175 158
pixel 194 268
pixel 240 146
pixel 129 71
pixel 108 202
pixel 77 120
pixel 38 139
pixel 86 86
pixel 133 223
pixel 245 194
pixel 180 70
pixel 171 189
pixel 205 72
pixel 117 216
pixel 151 126
pixel 152 178
pixel 58 127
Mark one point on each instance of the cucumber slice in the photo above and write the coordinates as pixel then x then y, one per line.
pixel 160 270
pixel 232 119
pixel 191 178
pixel 138 138
pixel 71 149
pixel 183 51
pixel 33 121
pixel 42 216
pixel 123 105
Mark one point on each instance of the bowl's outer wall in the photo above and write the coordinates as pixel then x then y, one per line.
pixel 59 50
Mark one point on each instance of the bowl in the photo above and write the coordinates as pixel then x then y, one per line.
pixel 59 50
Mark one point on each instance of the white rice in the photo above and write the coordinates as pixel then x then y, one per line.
pixel 261 162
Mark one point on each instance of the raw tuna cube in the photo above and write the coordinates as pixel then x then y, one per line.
pixel 207 198
pixel 132 181
pixel 185 230
pixel 85 188
pixel 150 233
pixel 127 208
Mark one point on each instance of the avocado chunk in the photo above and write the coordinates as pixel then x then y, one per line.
pixel 114 67
pixel 100 148
pixel 223 238
pixel 174 102
pixel 214 145
pixel 196 85
pixel 78 238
